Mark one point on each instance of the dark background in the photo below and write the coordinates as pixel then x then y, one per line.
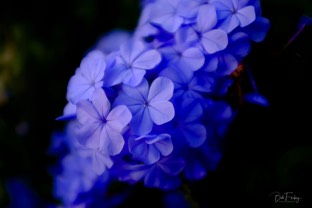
pixel 266 150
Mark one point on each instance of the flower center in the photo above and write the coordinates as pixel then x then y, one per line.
pixel 234 11
pixel 103 119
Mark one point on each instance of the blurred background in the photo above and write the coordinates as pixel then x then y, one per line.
pixel 266 149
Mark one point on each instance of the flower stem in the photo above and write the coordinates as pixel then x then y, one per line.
pixel 295 35
pixel 188 196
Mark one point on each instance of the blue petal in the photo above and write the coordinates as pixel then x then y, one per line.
pixel 195 171
pixel 100 102
pixel 69 112
pixel 152 139
pixel 138 93
pixel 119 117
pixel 141 122
pixel 256 98
pixel 133 77
pixel 211 63
pixel 240 44
pixel 93 66
pixel 192 59
pixel 152 156
pixel 131 50
pixel 191 110
pixel 227 64
pixel 133 105
pixel 214 41
pixel 147 60
pixel 223 8
pixel 161 111
pixel 202 83
pixel 230 23
pixel 89 135
pixel 115 74
pixel 178 76
pixel 86 113
pixel 79 88
pixel 156 178
pixel 111 140
pixel 138 148
pixel 240 3
pixel 111 42
pixel 161 89
pixel 186 34
pixel 258 29
pixel 171 166
pixel 131 173
pixel 194 134
pixel 165 145
pixel 164 15
pixel 147 153
pixel 206 18
pixel 87 78
pixel 246 15
pixel 100 162
pixel 188 9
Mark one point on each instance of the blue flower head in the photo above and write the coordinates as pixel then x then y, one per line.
pixel 152 106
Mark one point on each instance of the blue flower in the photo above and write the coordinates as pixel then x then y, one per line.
pixel 212 40
pixel 111 41
pixel 162 174
pixel 88 77
pixel 100 127
pixel 226 61
pixel 234 13
pixel 148 105
pixel 188 125
pixel 186 83
pixel 183 52
pixel 149 148
pixel 171 14
pixel 77 177
pixel 258 29
pixel 132 63
pixel 144 28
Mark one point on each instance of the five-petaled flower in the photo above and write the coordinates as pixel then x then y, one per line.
pixel 88 77
pixel 100 127
pixel 131 65
pixel 234 13
pixel 148 105
pixel 149 148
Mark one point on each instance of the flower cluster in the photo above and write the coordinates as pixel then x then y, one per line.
pixel 151 106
